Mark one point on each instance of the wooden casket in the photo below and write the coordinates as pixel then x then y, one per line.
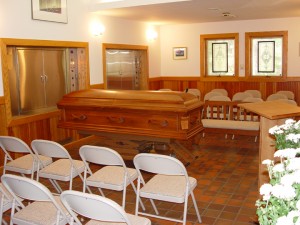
pixel 148 113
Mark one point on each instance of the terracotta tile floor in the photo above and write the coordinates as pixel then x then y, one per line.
pixel 227 189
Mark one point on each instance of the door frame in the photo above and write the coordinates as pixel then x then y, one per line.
pixel 144 48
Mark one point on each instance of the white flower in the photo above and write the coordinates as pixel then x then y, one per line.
pixel 281 200
pixel 297 125
pixel 274 130
pixel 293 137
pixel 298 204
pixel 284 221
pixel 293 214
pixel 286 153
pixel 290 121
pixel 288 179
pixel 297 181
pixel 283 192
pixel 265 189
pixel 294 164
pixel 267 162
pixel 279 168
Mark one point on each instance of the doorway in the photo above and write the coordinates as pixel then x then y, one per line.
pixel 125 67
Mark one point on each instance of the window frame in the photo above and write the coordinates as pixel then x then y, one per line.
pixel 203 62
pixel 248 51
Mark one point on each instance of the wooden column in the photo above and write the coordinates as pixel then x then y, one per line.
pixel 271 113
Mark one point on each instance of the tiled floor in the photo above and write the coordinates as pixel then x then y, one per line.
pixel 227 189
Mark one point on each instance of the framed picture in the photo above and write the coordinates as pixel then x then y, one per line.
pixel 180 53
pixel 50 10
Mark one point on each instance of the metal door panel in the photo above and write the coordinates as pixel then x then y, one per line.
pixel 30 79
pixel 54 71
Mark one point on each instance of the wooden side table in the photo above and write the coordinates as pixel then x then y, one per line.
pixel 271 113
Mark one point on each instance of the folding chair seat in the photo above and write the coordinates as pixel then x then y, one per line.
pixel 63 168
pixel 42 206
pixel 25 164
pixel 113 174
pixel 98 209
pixel 170 182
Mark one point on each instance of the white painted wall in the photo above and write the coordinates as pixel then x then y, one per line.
pixel 16 22
pixel 188 35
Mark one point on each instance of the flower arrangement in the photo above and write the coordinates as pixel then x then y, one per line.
pixel 280 203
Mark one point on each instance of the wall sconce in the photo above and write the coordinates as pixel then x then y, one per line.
pixel 97 29
pixel 152 35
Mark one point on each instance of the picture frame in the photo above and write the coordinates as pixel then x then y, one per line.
pixel 50 10
pixel 180 53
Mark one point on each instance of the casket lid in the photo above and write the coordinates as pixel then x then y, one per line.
pixel 130 99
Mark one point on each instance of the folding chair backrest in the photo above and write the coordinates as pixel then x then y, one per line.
pixel 160 164
pixel 208 95
pixel 254 93
pixel 26 188
pixel 49 148
pixel 13 144
pixel 100 155
pixel 93 206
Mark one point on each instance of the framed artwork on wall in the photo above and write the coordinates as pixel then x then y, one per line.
pixel 180 53
pixel 50 10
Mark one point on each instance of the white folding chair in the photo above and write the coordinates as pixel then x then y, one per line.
pixel 98 209
pixel 254 93
pixel 220 90
pixel 273 97
pixel 6 200
pixel 240 96
pixel 209 95
pixel 114 175
pixel 170 182
pixel 289 94
pixel 63 167
pixel 25 164
pixel 42 207
pixel 252 99
pixel 194 91
pixel 288 101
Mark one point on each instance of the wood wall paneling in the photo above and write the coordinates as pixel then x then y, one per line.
pixel 266 86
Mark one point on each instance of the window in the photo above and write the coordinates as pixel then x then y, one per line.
pixel 266 53
pixel 219 54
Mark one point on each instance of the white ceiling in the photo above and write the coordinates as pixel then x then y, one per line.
pixel 195 11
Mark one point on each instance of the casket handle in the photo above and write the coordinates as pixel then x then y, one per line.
pixel 116 119
pixel 80 117
pixel 163 123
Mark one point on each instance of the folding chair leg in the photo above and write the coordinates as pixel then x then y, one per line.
pixel 84 185
pixel 56 186
pixel 138 199
pixel 101 192
pixel 154 206
pixel 196 208
pixel 134 188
